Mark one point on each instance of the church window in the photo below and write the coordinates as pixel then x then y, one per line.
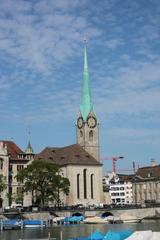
pixel 92 186
pixel 91 136
pixel 78 187
pixel 85 182
pixel 1 163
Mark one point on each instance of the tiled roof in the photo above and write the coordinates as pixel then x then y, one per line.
pixel 13 150
pixel 125 177
pixel 149 172
pixel 73 154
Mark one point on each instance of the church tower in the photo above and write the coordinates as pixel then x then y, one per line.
pixel 87 126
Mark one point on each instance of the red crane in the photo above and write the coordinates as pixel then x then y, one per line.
pixel 114 159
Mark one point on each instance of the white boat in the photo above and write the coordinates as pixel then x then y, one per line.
pixel 127 218
pixel 94 220
pixel 132 220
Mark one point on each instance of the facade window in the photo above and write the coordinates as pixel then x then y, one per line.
pixel 78 187
pixel 81 134
pixel 19 167
pixel 1 164
pixel 19 190
pixel 92 186
pixel 85 182
pixel 91 136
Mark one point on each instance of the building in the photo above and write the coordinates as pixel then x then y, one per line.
pixel 119 188
pixel 12 160
pixel 80 162
pixel 146 184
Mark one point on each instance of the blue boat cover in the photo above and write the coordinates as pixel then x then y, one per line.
pixel 32 222
pixel 97 235
pixel 125 234
pixel 11 222
pixel 112 236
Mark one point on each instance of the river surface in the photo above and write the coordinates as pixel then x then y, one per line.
pixel 80 230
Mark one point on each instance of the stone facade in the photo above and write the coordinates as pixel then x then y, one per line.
pixel 83 171
pixel 12 160
pixel 146 185
pixel 88 136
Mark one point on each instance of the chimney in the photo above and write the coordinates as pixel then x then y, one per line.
pixel 153 162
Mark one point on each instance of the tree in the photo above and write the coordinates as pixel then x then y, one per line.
pixel 2 187
pixel 2 183
pixel 43 179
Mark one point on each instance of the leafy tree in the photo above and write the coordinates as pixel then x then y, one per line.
pixel 2 187
pixel 44 180
pixel 2 183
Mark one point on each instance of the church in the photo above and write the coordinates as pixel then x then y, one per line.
pixel 79 162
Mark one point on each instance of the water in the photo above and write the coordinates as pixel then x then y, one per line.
pixel 79 230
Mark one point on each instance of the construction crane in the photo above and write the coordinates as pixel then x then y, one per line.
pixel 114 160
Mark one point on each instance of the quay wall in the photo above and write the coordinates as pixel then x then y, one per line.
pixel 152 212
pixel 139 212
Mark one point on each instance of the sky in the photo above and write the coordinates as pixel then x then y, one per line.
pixel 41 74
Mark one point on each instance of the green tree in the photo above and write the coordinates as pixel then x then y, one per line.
pixel 45 180
pixel 2 187
pixel 2 183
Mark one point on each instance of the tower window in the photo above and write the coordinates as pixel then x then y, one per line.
pixel 78 192
pixel 91 136
pixel 85 182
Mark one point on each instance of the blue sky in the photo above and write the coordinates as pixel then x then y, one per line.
pixel 41 74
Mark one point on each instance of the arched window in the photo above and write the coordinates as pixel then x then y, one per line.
pixel 78 192
pixel 92 185
pixel 85 182
pixel 91 136
pixel 1 164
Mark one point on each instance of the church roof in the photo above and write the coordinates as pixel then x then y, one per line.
pixel 13 150
pixel 73 154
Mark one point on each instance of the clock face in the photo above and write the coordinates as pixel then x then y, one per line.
pixel 80 122
pixel 92 122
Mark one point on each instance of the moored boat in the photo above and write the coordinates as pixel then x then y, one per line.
pixel 11 224
pixel 33 224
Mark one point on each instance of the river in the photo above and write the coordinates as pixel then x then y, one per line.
pixel 80 230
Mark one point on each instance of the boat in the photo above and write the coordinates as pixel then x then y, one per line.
pixel 113 219
pixel 132 220
pixel 33 224
pixel 127 218
pixel 94 220
pixel 11 224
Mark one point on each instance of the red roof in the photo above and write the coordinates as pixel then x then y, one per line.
pixel 73 154
pixel 13 150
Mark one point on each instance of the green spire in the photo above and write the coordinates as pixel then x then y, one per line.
pixel 29 149
pixel 86 106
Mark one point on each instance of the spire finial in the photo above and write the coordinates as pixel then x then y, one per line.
pixel 85 39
